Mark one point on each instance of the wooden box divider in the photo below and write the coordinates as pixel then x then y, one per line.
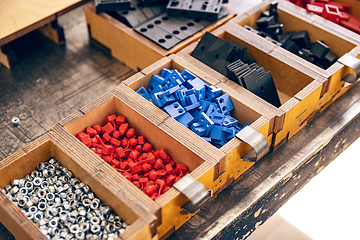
pixel 300 89
pixel 130 47
pixel 341 42
pixel 245 111
pixel 142 223
pixel 167 208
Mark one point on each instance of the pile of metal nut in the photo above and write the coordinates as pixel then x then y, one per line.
pixel 62 206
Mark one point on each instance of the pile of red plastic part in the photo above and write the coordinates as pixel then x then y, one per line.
pixel 333 11
pixel 152 171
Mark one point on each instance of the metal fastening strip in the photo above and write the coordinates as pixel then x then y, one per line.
pixel 257 141
pixel 193 190
pixel 353 63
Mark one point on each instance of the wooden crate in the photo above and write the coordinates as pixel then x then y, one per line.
pixel 130 47
pixel 167 208
pixel 22 162
pixel 297 19
pixel 245 111
pixel 300 99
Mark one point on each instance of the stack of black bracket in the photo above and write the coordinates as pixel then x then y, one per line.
pixel 230 60
pixel 298 43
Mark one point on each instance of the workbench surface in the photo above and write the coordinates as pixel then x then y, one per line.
pixel 52 81
pixel 18 17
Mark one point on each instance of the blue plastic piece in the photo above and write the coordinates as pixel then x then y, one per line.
pixel 158 99
pixel 159 88
pixel 197 128
pixel 174 89
pixel 212 92
pixel 187 75
pixel 196 83
pixel 206 122
pixel 165 72
pixel 229 121
pixel 207 139
pixel 168 99
pixel 200 93
pixel 191 107
pixel 142 92
pixel 155 81
pixel 195 113
pixel 225 103
pixel 217 133
pixel 175 110
pixel 186 120
pixel 210 112
pixel 191 99
pixel 174 79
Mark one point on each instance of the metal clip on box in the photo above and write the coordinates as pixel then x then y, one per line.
pixel 354 64
pixel 257 141
pixel 193 190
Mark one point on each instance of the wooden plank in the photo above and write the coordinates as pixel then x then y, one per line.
pixel 20 17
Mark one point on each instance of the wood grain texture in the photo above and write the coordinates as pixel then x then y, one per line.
pixel 20 17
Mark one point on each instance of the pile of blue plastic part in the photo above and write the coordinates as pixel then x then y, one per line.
pixel 195 104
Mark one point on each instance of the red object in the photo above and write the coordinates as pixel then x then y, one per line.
pixel 170 180
pixel 106 137
pixel 127 175
pixel 169 169
pixel 120 120
pixel 141 140
pixel 149 190
pixel 343 7
pixel 314 9
pixel 133 141
pixel 117 144
pixel 111 118
pixel 84 138
pixel 123 128
pixel 130 133
pixel 353 24
pixel 116 134
pixel 97 127
pixel 92 132
pixel 147 147
pixel 108 128
pixel 331 13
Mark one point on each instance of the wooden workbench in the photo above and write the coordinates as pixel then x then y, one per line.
pixel 19 17
pixel 52 81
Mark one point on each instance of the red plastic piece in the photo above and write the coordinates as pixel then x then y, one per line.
pixel 149 190
pixel 130 133
pixel 314 9
pixel 116 134
pixel 343 7
pixel 127 175
pixel 84 138
pixel 143 180
pixel 115 142
pixel 147 147
pixel 141 140
pixel 120 120
pixel 97 127
pixel 123 128
pixel 331 13
pixel 111 118
pixel 138 148
pixel 133 141
pixel 159 164
pixel 92 132
pixel 106 137
pixel 108 128
pixel 353 24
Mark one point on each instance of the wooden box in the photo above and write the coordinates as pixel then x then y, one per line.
pixel 130 47
pixel 168 207
pixel 296 19
pixel 260 120
pixel 300 89
pixel 22 162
